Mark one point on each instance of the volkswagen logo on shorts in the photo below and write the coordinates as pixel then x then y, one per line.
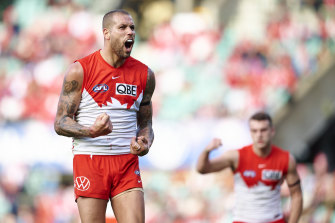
pixel 82 183
pixel 100 88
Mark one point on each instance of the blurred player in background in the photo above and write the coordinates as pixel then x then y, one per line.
pixel 259 170
pixel 105 105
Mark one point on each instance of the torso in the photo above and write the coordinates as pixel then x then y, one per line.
pixel 115 91
pixel 257 185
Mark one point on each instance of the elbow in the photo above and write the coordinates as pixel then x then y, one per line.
pixel 201 170
pixel 297 198
pixel 57 128
pixel 152 138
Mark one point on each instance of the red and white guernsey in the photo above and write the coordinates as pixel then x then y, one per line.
pixel 116 91
pixel 257 185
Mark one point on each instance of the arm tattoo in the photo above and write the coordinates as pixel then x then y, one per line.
pixel 149 89
pixel 65 124
pixel 144 115
pixel 70 128
pixel 144 122
pixel 69 86
pixel 71 108
pixel 68 103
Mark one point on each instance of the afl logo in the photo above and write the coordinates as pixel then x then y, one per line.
pixel 100 88
pixel 249 173
pixel 82 183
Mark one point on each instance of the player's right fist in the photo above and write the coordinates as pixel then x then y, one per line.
pixel 214 144
pixel 101 126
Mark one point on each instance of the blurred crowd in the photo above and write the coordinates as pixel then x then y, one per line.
pixel 204 70
pixel 38 41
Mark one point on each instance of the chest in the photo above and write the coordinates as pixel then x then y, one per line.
pixel 118 87
pixel 270 172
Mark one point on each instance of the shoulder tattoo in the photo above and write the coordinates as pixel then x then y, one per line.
pixel 69 87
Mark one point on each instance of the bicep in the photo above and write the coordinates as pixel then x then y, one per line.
pixel 149 87
pixel 226 160
pixel 292 176
pixel 145 112
pixel 70 95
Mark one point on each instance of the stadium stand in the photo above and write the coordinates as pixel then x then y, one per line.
pixel 213 70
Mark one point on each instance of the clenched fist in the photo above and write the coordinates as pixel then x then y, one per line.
pixel 139 146
pixel 101 126
pixel 214 144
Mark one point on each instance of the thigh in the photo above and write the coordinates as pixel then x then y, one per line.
pixel 128 207
pixel 92 210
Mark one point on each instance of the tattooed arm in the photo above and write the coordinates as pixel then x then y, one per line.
pixel 145 136
pixel 68 104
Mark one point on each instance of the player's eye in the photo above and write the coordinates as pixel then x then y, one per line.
pixel 264 130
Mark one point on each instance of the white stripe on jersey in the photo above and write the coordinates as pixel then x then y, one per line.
pixel 124 126
pixel 258 204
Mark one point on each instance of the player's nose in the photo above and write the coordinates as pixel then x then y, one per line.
pixel 130 31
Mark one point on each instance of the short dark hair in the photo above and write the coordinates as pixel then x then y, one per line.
pixel 108 15
pixel 260 116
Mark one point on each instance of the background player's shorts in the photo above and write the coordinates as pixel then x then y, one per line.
pixel 105 176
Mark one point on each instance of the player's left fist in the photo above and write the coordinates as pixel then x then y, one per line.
pixel 139 146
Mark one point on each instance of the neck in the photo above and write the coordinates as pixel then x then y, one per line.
pixel 262 152
pixel 112 59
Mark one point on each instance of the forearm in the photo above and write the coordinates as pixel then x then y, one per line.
pixel 66 126
pixel 293 182
pixel 144 123
pixel 147 132
pixel 296 208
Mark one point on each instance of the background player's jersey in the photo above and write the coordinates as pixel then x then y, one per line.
pixel 257 185
pixel 115 91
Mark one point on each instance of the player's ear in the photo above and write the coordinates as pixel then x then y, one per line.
pixel 106 33
pixel 273 131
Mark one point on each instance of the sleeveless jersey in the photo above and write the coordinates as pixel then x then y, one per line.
pixel 116 91
pixel 257 185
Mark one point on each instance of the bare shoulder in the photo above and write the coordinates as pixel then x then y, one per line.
pixel 75 71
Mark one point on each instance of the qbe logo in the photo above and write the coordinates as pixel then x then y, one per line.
pixel 81 183
pixel 272 175
pixel 126 89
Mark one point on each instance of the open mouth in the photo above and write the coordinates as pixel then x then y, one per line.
pixel 129 43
